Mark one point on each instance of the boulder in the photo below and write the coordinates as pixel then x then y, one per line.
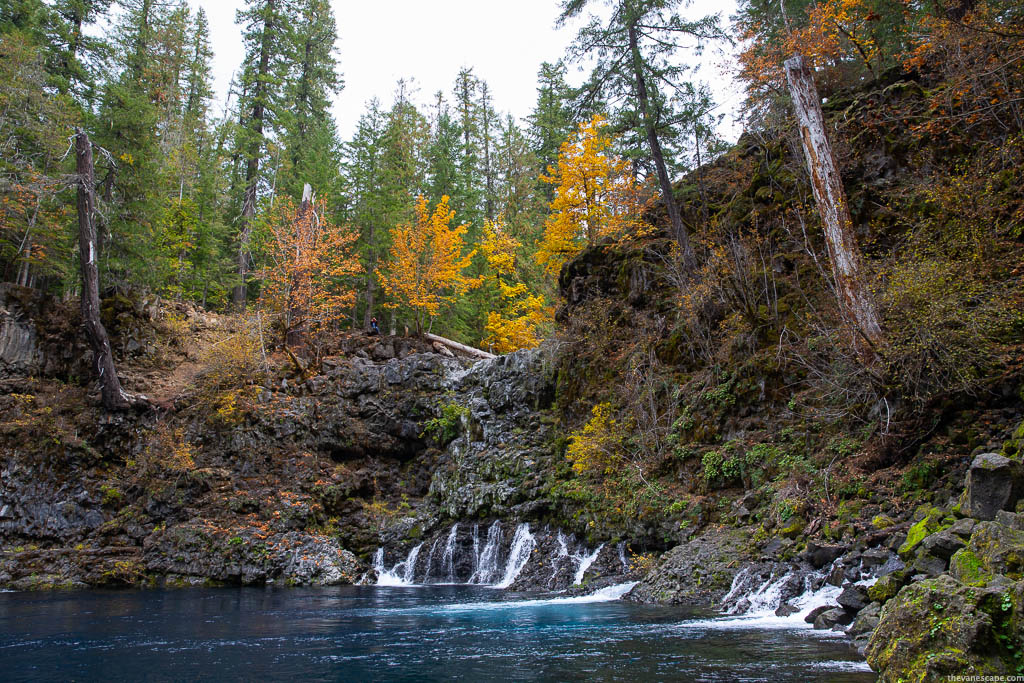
pixel 786 610
pixel 816 612
pixel 820 556
pixel 994 549
pixel 853 597
pixel 887 587
pixel 989 486
pixel 942 544
pixel 835 616
pixel 931 522
pixel 939 628
pixel 866 621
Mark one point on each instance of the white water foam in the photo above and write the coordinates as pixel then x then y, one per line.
pixel 608 594
pixel 764 601
pixel 401 574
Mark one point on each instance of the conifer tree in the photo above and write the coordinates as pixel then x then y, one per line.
pixel 551 121
pixel 264 22
pixel 636 56
pixel 310 138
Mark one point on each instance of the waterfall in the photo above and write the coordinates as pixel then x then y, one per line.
pixel 448 558
pixel 760 600
pixel 522 545
pixel 585 562
pixel 464 555
pixel 430 560
pixel 385 577
pixel 487 564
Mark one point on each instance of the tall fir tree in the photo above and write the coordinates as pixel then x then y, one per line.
pixel 309 135
pixel 265 68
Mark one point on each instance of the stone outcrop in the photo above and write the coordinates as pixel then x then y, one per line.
pixel 990 485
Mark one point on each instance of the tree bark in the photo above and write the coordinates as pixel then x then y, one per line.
pixel 113 396
pixel 676 219
pixel 856 301
pixel 461 348
pixel 240 293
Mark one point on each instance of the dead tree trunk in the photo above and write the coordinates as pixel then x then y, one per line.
pixel 856 301
pixel 113 396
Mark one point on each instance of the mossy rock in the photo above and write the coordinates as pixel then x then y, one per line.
pixel 967 568
pixel 887 587
pixel 994 549
pixel 933 522
pixel 793 530
pixel 938 628
pixel 882 521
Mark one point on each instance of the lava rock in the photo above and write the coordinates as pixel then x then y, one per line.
pixel 989 485
pixel 939 628
pixel 832 617
pixel 819 556
pixel 853 598
pixel 786 610
pixel 816 612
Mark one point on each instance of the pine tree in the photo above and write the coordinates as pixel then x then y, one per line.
pixel 551 121
pixel 265 68
pixel 310 138
pixel 468 194
pixel 76 58
pixel 636 56
pixel 443 152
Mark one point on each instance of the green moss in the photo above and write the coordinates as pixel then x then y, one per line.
pixel 794 528
pixel 932 523
pixel 887 587
pixel 882 521
pixel 967 568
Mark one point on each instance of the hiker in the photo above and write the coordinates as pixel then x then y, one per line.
pixel 374 330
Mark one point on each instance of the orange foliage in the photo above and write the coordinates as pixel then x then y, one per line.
pixel 595 196
pixel 310 260
pixel 425 265
pixel 834 33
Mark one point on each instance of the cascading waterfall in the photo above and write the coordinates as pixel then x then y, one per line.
pixel 522 545
pixel 448 559
pixel 487 561
pixel 585 562
pixel 759 601
pixel 470 559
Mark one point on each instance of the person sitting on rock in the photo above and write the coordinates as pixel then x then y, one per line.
pixel 374 330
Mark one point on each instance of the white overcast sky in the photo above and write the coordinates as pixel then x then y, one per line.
pixel 428 41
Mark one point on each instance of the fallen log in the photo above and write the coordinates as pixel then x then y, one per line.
pixel 461 348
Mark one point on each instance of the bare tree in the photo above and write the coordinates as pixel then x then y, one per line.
pixel 857 303
pixel 113 396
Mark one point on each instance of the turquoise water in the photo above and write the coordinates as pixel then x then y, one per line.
pixel 374 633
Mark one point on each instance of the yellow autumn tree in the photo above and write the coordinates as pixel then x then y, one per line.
pixel 595 196
pixel 517 323
pixel 425 266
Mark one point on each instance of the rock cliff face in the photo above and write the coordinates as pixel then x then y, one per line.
pixel 390 445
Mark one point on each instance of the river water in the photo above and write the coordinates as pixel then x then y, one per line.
pixel 383 633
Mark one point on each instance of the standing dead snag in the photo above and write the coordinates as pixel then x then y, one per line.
pixel 855 300
pixel 113 396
